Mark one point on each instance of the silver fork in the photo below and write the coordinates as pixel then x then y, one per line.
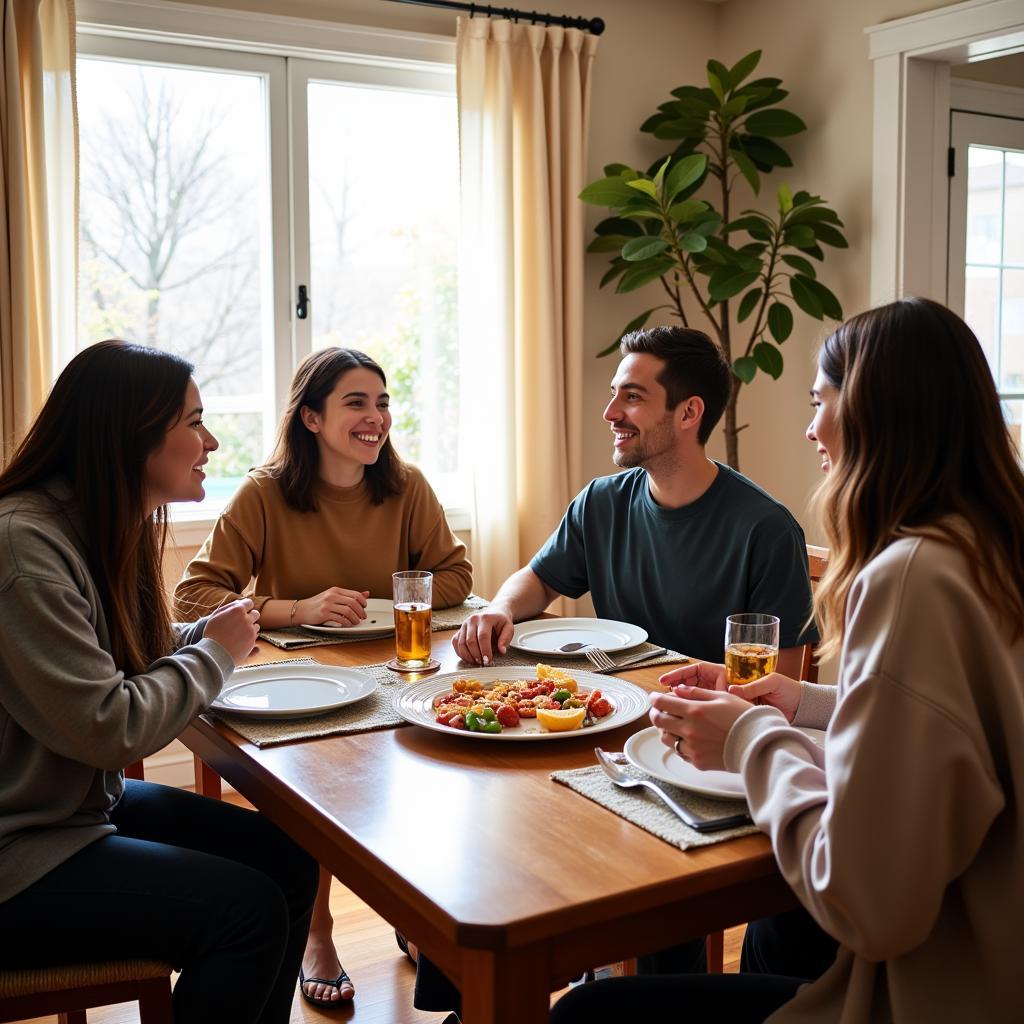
pixel 603 663
pixel 626 781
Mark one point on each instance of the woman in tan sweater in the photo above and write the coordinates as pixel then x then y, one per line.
pixel 904 837
pixel 316 532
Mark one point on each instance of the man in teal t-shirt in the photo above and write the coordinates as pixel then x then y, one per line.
pixel 679 541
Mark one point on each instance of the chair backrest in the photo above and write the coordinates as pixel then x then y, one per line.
pixel 817 562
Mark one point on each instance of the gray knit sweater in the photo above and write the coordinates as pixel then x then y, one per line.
pixel 70 720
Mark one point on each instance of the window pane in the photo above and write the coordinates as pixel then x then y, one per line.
pixel 1011 361
pixel 174 232
pixel 984 204
pixel 383 203
pixel 981 309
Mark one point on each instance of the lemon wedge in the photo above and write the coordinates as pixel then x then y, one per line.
pixel 556 675
pixel 561 721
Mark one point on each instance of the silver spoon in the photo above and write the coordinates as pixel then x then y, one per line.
pixel 569 648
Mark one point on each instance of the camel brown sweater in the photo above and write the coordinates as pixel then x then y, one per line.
pixel 348 542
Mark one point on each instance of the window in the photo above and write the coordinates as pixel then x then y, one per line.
pixel 214 183
pixel 986 281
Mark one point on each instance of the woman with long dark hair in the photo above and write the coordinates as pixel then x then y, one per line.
pixel 94 677
pixel 318 530
pixel 902 837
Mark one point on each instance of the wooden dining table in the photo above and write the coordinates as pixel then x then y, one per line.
pixel 511 883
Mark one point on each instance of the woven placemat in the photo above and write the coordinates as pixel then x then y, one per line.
pixel 441 618
pixel 644 809
pixel 512 657
pixel 371 713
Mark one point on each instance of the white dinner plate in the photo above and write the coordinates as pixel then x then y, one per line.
pixel 379 621
pixel 415 703
pixel 546 636
pixel 293 691
pixel 645 751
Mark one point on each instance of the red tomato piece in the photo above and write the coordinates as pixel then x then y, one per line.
pixel 508 716
pixel 457 722
pixel 600 707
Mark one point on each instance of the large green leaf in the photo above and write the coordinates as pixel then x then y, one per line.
pixel 747 169
pixel 618 266
pixel 640 206
pixel 659 176
pixel 684 174
pixel 830 236
pixel 693 242
pixel 799 263
pixel 780 321
pixel 769 359
pixel 785 198
pixel 618 226
pixel 814 215
pixel 733 108
pixel 716 84
pixel 828 302
pixel 721 72
pixel 749 303
pixel 612 192
pixel 805 297
pixel 643 185
pixel 765 153
pixel 643 273
pixel 754 226
pixel 745 368
pixel 694 93
pixel 634 325
pixel 607 243
pixel 799 235
pixel 687 210
pixel 774 123
pixel 637 249
pixel 730 281
pixel 743 67
pixel 618 170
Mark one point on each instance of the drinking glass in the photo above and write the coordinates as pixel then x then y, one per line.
pixel 751 647
pixel 412 595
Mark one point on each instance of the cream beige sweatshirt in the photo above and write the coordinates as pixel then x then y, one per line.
pixel 348 542
pixel 904 838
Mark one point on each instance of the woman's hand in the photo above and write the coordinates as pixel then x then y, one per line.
pixel 335 606
pixel 234 627
pixel 696 721
pixel 705 674
pixel 775 689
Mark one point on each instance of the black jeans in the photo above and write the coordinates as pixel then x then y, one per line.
pixel 214 889
pixel 666 999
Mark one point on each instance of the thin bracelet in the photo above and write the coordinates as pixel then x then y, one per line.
pixel 291 614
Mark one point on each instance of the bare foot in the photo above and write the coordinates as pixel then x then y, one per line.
pixel 321 961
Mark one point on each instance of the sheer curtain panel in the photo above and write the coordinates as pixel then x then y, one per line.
pixel 38 216
pixel 524 96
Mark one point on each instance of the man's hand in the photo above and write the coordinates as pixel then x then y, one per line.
pixel 482 634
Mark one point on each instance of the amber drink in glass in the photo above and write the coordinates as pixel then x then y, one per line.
pixel 412 595
pixel 751 647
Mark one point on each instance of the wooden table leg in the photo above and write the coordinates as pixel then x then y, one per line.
pixel 207 780
pixel 504 987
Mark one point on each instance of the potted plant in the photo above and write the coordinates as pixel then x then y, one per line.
pixel 661 230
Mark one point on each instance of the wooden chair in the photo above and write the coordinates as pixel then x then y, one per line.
pixel 69 990
pixel 817 560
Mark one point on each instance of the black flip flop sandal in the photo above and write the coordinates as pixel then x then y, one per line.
pixel 335 983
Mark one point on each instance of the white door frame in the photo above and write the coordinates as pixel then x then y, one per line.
pixel 912 57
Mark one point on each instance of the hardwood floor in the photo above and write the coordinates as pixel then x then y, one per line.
pixel 382 975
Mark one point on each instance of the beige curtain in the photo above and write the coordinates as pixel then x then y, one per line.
pixel 38 215
pixel 524 97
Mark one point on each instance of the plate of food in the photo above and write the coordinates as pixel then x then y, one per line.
pixel 293 691
pixel 379 621
pixel 644 750
pixel 521 704
pixel 549 637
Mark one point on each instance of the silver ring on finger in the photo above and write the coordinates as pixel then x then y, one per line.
pixel 676 746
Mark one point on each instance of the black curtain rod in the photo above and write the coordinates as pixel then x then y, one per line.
pixel 595 26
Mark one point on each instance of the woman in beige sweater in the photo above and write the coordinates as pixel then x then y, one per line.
pixel 316 532
pixel 904 837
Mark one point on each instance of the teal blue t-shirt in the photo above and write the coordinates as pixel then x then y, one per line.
pixel 679 572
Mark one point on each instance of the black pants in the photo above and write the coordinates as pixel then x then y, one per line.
pixel 790 946
pixel 214 889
